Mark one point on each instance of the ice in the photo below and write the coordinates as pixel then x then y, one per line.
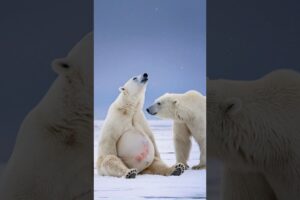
pixel 190 185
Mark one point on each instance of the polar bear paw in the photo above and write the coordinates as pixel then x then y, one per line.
pixel 198 167
pixel 186 166
pixel 178 169
pixel 131 174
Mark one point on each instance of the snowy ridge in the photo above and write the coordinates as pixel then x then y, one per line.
pixel 190 185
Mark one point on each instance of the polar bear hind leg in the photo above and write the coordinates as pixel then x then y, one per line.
pixel 160 168
pixel 111 165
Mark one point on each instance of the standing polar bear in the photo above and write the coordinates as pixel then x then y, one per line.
pixel 127 145
pixel 188 111
pixel 254 131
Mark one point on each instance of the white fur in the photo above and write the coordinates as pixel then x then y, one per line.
pixel 254 130
pixel 124 116
pixel 188 111
pixel 135 150
pixel 55 136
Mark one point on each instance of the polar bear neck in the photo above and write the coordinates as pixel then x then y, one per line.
pixel 129 106
pixel 63 109
pixel 183 113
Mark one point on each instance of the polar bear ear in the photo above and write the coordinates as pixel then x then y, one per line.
pixel 232 106
pixel 123 90
pixel 60 66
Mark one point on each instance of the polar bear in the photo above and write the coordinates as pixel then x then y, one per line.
pixel 127 144
pixel 254 131
pixel 188 111
pixel 56 136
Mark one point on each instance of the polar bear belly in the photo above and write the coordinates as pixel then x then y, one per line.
pixel 136 150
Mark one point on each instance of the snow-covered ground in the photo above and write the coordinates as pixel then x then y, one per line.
pixel 190 185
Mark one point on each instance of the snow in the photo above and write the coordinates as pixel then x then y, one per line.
pixel 190 185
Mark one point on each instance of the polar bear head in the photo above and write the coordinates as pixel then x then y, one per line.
pixel 73 87
pixel 170 106
pixel 133 91
pixel 77 66
pixel 164 106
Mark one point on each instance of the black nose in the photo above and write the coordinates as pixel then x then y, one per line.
pixel 145 75
pixel 148 110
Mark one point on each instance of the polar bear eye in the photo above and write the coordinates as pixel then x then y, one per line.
pixel 134 78
pixel 64 65
pixel 158 103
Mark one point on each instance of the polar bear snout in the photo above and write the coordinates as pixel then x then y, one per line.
pixel 144 78
pixel 152 110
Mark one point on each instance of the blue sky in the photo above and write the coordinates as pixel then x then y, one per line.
pixel 166 39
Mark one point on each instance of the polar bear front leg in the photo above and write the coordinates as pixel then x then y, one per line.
pixel 160 168
pixel 111 165
pixel 202 147
pixel 182 142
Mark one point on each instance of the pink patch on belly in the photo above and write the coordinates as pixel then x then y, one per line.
pixel 144 153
